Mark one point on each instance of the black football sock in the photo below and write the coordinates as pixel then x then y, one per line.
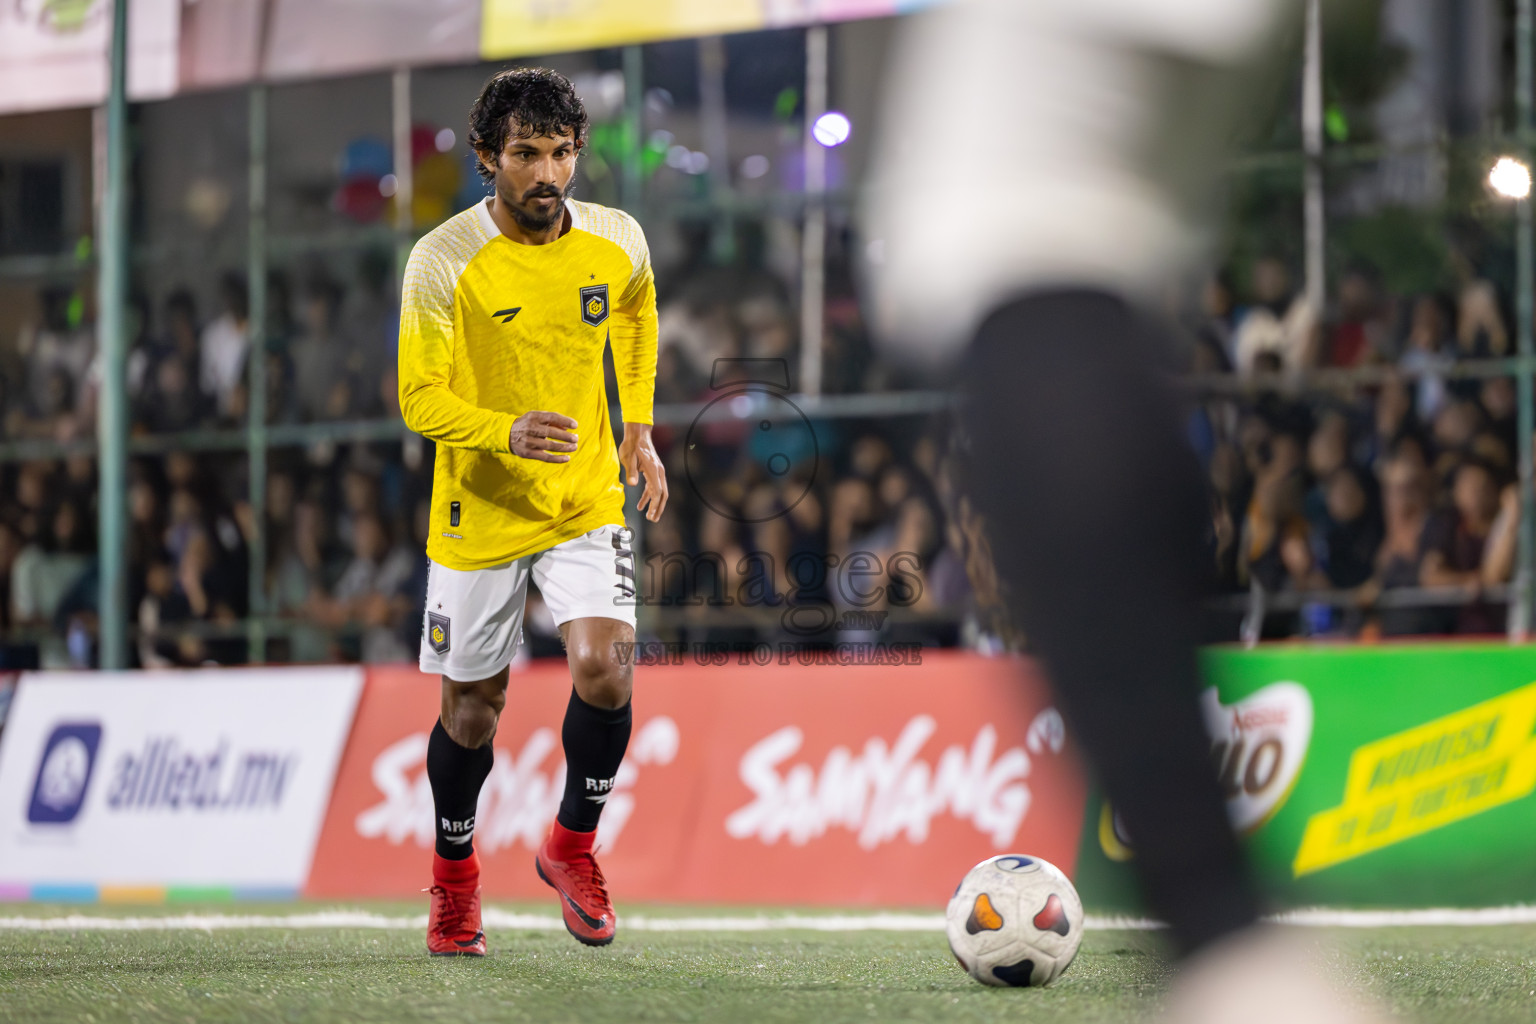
pixel 456 774
pixel 1095 510
pixel 595 740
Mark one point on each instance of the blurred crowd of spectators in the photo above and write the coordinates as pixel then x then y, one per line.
pixel 345 571
pixel 344 562
pixel 329 355
pixel 1398 481
pixel 331 344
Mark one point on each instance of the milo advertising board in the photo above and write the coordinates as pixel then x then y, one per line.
pixel 1393 776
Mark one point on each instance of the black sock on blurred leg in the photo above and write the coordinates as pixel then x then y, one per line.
pixel 456 774
pixel 1094 508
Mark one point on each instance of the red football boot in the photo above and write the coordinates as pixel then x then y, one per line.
pixel 566 864
pixel 453 923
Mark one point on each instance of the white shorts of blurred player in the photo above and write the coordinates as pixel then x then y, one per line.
pixel 473 623
pixel 1037 144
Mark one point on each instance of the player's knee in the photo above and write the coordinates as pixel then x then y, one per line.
pixel 601 679
pixel 470 715
pixel 472 723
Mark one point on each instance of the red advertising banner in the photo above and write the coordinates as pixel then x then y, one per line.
pixel 786 784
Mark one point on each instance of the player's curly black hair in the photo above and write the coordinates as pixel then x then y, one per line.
pixel 539 101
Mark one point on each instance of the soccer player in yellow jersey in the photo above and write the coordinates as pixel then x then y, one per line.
pixel 505 313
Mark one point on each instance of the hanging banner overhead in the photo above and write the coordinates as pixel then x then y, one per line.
pixel 309 38
pixel 54 55
pixel 525 27
pixel 512 28
pixel 220 43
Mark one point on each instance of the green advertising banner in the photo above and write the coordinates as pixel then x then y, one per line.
pixel 1396 776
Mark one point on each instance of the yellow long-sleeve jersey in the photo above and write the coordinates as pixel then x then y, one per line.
pixel 491 329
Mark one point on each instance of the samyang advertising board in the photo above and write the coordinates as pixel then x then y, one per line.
pixel 212 778
pixel 743 783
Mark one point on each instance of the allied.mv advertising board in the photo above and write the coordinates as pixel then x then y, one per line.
pixel 215 778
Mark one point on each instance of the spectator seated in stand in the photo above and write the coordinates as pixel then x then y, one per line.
pixel 1459 541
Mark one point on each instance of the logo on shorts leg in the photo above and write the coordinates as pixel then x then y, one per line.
pixel 624 564
pixel 594 304
pixel 437 632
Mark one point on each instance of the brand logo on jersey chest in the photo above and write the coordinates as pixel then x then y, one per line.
pixel 594 304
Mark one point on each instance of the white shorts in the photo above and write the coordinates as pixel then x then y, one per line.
pixel 473 622
pixel 1107 129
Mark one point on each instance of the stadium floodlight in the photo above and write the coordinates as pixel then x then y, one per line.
pixel 832 129
pixel 1510 178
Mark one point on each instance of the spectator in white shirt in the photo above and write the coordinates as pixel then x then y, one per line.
pixel 224 344
pixel 1280 321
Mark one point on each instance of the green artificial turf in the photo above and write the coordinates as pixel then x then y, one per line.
pixel 1463 975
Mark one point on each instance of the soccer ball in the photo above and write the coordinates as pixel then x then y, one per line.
pixel 1015 920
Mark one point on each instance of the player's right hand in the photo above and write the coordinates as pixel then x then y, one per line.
pixel 542 435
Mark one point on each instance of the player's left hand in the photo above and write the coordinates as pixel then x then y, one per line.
pixel 637 454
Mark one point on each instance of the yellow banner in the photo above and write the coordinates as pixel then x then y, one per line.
pixel 1426 777
pixel 521 27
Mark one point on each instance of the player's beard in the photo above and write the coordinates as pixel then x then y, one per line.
pixel 532 221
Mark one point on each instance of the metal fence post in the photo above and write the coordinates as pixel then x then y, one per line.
pixel 112 412
pixel 405 179
pixel 714 120
pixel 634 129
pixel 1312 143
pixel 813 241
pixel 256 400
pixel 1520 624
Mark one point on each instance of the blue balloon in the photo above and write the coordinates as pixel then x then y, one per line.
pixel 471 189
pixel 367 157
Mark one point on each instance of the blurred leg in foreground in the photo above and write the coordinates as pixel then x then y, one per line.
pixel 1094 503
pixel 1042 178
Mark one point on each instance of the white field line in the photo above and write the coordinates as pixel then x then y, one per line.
pixel 1322 917
pixel 493 918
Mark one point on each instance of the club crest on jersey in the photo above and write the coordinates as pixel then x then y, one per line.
pixel 437 632
pixel 594 304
